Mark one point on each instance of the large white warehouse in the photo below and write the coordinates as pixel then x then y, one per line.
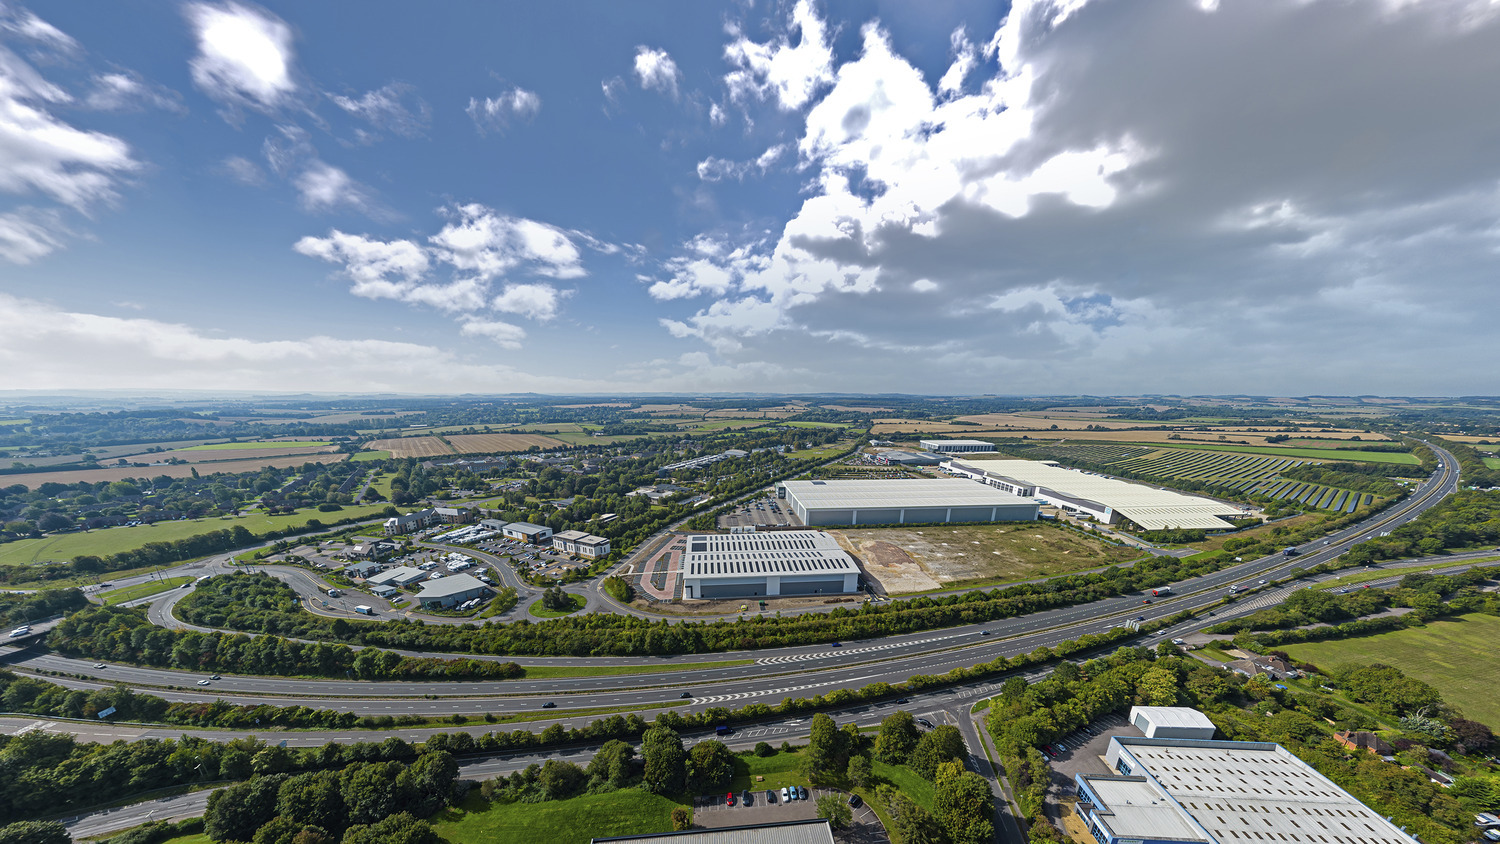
pixel 1106 499
pixel 957 446
pixel 903 501
pixel 752 565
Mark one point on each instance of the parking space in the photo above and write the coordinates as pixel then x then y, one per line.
pixel 714 812
pixel 766 511
pixel 1082 753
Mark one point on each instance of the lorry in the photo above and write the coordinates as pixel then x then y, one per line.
pixel 1161 590
pixel 364 610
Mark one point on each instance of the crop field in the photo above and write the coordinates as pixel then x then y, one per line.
pixel 1350 454
pixel 922 559
pixel 722 424
pixel 252 446
pixel 1244 473
pixel 590 439
pixel 181 470
pixel 1456 655
pixel 404 447
pixel 270 450
pixel 669 408
pixel 66 546
pixel 495 443
pixel 1065 421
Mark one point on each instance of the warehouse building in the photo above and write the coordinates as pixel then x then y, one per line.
pixel 902 501
pixel 756 565
pixel 527 532
pixel 1178 722
pixel 1221 792
pixel 957 446
pixel 398 577
pixel 1108 500
pixel 450 591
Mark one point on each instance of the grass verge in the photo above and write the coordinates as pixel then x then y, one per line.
pixel 534 672
pixel 575 821
pixel 538 611
pixel 1378 573
pixel 141 590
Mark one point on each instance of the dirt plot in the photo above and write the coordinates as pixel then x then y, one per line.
pixel 486 443
pixel 919 559
pixel 404 447
pixel 177 470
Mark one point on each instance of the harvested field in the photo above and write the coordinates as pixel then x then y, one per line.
pixel 596 404
pixel 270 450
pixel 492 443
pixel 908 560
pixel 668 408
pixel 404 447
pixel 179 470
pixel 849 409
pixel 1067 421
pixel 886 426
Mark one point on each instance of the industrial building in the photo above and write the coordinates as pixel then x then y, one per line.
pixel 1221 792
pixel 450 591
pixel 813 831
pixel 527 532
pixel 754 565
pixel 399 577
pixel 583 544
pixel 957 446
pixel 1108 500
pixel 902 501
pixel 1177 722
pixel 906 458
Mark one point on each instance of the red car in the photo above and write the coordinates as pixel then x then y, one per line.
pixel 729 799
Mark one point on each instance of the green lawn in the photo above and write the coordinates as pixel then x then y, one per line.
pixel 255 445
pixel 779 770
pixel 141 590
pixel 1454 655
pixel 1492 462
pixel 200 838
pixel 575 821
pixel 538 611
pixel 66 546
pixel 1348 454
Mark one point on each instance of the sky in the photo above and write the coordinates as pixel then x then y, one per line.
pixel 1048 196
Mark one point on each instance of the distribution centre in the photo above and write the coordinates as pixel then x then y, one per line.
pixel 902 501
pixel 752 565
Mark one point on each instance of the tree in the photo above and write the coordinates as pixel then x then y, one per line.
pixel 897 738
pixel 613 764
pixel 402 828
pixel 236 812
pixel 312 799
pixel 682 818
pixel 429 781
pixel 1474 736
pixel 560 780
pixel 1157 687
pixel 824 754
pixel 763 749
pixel 838 813
pixel 665 762
pixel 912 823
pixel 35 832
pixel 963 804
pixel 53 521
pixel 941 744
pixel 861 773
pixel 370 791
pixel 713 766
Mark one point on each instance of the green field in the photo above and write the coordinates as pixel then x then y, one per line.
pixel 66 546
pixel 590 439
pixel 576 821
pixel 255 445
pixel 537 611
pixel 815 424
pixel 1454 655
pixel 1492 462
pixel 141 590
pixel 200 838
pixel 721 424
pixel 370 455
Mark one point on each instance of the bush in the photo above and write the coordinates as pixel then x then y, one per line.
pixel 763 749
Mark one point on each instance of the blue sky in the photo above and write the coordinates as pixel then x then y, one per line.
pixel 1066 196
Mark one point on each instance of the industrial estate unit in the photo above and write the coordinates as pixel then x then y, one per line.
pixel 1218 792
pixel 903 501
pixel 1107 499
pixel 957 446
pixel 750 565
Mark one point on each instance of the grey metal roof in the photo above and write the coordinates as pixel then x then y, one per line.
pixel 896 493
pixel 455 584
pixel 786 553
pixel 814 831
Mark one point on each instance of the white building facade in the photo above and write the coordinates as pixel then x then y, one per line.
pixel 768 564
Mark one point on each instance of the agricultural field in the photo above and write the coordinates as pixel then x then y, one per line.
pixel 722 424
pixel 1248 474
pixel 1492 462
pixel 496 443
pixel 404 447
pixel 590 439
pixel 908 560
pixel 849 409
pixel 595 404
pixel 65 546
pixel 1350 454
pixel 921 426
pixel 253 446
pixel 268 450
pixel 669 408
pixel 1455 655
pixel 365 456
pixel 182 470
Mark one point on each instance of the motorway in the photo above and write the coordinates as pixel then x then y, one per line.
pixel 765 676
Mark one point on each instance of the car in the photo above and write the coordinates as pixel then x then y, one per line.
pixel 202 682
pixel 834 645
pixel 1262 580
pixel 770 796
pixel 1147 601
pixel 1047 752
pixel 1060 749
pixel 1179 642
pixel 685 695
pixel 729 799
pixel 903 700
pixel 1140 618
pixel 98 665
pixel 216 677
pixel 785 795
pixel 924 722
pixel 855 802
pixel 549 705
pixel 801 792
pixel 984 632
pixel 747 798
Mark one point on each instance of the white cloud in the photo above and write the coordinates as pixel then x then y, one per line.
pixel 504 334
pixel 716 114
pixel 965 59
pixel 128 91
pixel 713 169
pixel 28 234
pixel 655 71
pixel 41 154
pixel 494 114
pixel 534 301
pixel 26 25
pixel 395 107
pixel 243 170
pixel 323 187
pixel 791 75
pixel 369 261
pixel 245 55
pixel 488 244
